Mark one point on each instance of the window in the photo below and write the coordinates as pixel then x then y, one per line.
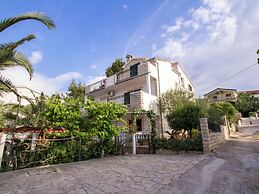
pixel 190 87
pixel 182 82
pixel 134 70
pixel 228 95
pixel 176 85
pixel 127 98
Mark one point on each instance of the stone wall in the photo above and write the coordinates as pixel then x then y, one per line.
pixel 136 100
pixel 212 140
pixel 142 68
pixel 125 74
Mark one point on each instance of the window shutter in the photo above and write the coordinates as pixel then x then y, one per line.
pixel 127 98
pixel 134 70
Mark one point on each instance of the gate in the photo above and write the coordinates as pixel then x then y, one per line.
pixel 138 143
pixel 142 143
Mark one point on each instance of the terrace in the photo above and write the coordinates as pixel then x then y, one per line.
pixel 133 72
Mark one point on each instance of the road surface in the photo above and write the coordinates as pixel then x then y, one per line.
pixel 232 168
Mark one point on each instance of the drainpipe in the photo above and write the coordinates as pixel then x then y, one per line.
pixel 159 95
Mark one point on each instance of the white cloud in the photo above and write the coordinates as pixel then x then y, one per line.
pixel 143 28
pixel 154 46
pixel 176 27
pixel 218 39
pixel 217 6
pixel 93 66
pixel 171 48
pixel 124 7
pixel 39 82
pixel 36 57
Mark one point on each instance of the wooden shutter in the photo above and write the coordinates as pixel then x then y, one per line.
pixel 134 70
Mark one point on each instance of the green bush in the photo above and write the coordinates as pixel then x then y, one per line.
pixel 251 114
pixel 56 152
pixel 191 144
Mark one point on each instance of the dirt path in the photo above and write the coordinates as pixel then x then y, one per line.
pixel 233 168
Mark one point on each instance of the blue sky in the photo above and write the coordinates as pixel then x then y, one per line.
pixel 212 39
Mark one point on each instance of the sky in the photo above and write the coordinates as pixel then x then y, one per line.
pixel 212 39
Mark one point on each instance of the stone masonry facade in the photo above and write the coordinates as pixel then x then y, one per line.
pixel 124 75
pixel 136 100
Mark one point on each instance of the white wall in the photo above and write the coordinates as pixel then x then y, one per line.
pixel 186 79
pixel 168 78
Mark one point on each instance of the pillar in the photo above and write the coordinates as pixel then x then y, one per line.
pixel 148 84
pixel 33 142
pixel 205 135
pixel 134 144
pixel 2 145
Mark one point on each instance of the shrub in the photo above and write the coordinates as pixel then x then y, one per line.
pixel 251 114
pixel 191 144
pixel 185 118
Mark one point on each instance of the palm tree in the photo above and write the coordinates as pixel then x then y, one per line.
pixel 9 57
pixel 31 115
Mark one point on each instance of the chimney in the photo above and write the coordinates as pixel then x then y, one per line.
pixel 128 58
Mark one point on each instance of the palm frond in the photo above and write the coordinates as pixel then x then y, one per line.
pixel 5 55
pixel 27 16
pixel 17 59
pixel 29 100
pixel 23 61
pixel 13 45
pixel 5 85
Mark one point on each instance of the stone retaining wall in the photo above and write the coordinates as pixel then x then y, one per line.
pixel 212 140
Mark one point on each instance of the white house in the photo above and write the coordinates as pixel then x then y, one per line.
pixel 139 84
pixel 222 95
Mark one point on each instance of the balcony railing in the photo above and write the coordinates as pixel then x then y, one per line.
pixel 228 98
pixel 96 86
pixel 119 77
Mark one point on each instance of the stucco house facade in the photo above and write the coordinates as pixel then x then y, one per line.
pixel 222 95
pixel 138 86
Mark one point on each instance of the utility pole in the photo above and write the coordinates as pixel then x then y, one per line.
pixel 257 58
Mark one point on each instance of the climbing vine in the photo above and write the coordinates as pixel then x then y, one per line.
pixel 134 116
pixel 152 118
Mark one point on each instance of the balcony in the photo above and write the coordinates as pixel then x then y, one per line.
pixel 134 71
pixel 227 98
pixel 109 81
pixel 135 100
pixel 127 74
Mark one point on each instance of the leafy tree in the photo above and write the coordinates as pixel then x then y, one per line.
pixel 95 119
pixel 173 99
pixel 224 109
pixel 9 56
pixel 246 103
pixel 64 113
pixel 116 66
pixel 29 115
pixel 105 119
pixel 76 90
pixel 185 118
pixel 152 118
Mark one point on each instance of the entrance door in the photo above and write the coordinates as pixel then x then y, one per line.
pixel 138 123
